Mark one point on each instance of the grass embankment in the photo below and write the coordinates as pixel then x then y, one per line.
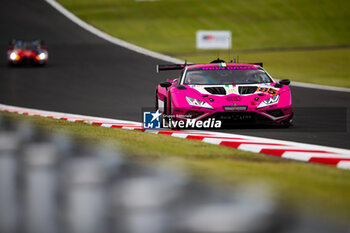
pixel 321 189
pixel 327 67
pixel 169 26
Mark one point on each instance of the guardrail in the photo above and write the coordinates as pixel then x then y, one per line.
pixel 50 183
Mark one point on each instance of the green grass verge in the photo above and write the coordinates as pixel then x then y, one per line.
pixel 325 67
pixel 324 190
pixel 169 26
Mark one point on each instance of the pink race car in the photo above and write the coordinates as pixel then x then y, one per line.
pixel 232 93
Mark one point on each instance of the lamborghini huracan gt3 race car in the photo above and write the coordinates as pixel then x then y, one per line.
pixel 31 52
pixel 233 93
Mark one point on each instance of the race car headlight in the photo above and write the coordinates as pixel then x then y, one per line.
pixel 14 56
pixel 269 101
pixel 42 56
pixel 198 103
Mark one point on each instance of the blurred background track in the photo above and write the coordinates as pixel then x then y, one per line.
pixel 87 75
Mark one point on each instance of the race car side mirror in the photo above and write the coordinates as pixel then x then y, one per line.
pixel 165 84
pixel 284 82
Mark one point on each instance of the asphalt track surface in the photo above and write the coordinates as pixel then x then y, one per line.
pixel 88 75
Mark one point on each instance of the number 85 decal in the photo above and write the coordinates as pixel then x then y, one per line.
pixel 268 90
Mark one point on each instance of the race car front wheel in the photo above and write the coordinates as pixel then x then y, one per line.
pixel 287 123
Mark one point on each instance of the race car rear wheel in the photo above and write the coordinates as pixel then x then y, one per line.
pixel 156 106
pixel 170 113
pixel 169 109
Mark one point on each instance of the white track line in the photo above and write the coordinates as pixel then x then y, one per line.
pixel 110 38
pixel 344 165
pixel 156 55
pixel 286 149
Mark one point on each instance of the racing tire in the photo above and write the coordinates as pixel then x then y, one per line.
pixel 287 123
pixel 165 111
pixel 156 107
pixel 170 112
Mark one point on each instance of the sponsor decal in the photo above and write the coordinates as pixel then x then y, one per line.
pixel 233 98
pixel 230 68
pixel 235 108
pixel 231 91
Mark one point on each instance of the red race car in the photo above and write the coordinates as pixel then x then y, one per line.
pixel 31 52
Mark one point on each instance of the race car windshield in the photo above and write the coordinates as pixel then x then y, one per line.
pixel 226 76
pixel 27 45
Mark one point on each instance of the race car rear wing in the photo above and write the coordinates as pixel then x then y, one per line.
pixel 257 63
pixel 171 67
